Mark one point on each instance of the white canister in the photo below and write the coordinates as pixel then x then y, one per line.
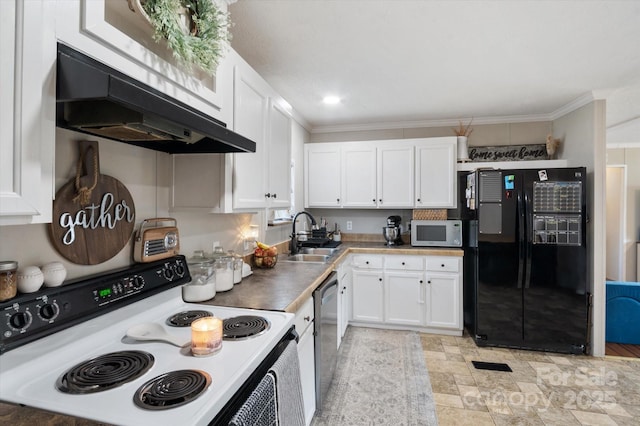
pixel 30 279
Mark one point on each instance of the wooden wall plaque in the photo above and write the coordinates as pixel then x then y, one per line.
pixel 93 214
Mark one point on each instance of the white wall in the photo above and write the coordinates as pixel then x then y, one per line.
pixel 631 158
pixel 145 173
pixel 583 134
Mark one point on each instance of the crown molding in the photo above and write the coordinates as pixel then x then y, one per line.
pixel 429 123
pixel 390 125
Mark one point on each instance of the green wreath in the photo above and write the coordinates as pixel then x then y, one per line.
pixel 209 33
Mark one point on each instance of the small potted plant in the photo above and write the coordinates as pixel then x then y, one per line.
pixel 463 132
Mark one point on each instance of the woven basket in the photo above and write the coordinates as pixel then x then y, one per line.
pixel 430 214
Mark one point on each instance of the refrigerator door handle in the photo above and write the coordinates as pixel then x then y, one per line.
pixel 527 240
pixel 521 235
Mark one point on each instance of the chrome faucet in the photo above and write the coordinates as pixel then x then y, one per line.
pixel 293 244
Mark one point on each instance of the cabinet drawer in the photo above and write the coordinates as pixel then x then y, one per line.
pixel 364 261
pixel 304 316
pixel 443 264
pixel 409 263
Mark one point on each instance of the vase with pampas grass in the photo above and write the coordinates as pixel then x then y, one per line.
pixel 463 132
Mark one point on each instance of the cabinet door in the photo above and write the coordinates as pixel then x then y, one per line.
pixel 444 301
pixel 251 105
pixel 307 373
pixel 395 176
pixel 27 111
pixel 197 182
pixel 436 175
pixel 322 175
pixel 404 301
pixel 359 175
pixel 344 299
pixel 279 190
pixel 367 296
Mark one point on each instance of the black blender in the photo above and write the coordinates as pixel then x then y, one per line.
pixel 393 231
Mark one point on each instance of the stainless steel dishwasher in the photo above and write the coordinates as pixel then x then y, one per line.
pixel 325 299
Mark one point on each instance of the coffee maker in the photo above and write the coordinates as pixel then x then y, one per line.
pixel 393 231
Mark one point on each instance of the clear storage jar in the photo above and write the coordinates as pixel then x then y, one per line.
pixel 8 280
pixel 203 285
pixel 237 266
pixel 223 267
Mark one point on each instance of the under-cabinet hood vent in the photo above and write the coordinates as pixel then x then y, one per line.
pixel 95 99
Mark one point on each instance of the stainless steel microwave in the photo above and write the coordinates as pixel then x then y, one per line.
pixel 436 233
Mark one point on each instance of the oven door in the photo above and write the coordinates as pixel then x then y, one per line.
pixel 255 383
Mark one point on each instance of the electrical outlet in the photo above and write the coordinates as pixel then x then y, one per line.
pixel 349 225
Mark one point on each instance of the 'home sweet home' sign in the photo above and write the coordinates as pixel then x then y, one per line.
pixel 508 152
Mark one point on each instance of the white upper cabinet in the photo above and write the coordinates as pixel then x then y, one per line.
pixel 322 175
pixel 261 179
pixel 359 171
pixel 279 183
pixel 392 174
pixel 250 112
pixel 436 177
pixel 395 175
pixel 27 111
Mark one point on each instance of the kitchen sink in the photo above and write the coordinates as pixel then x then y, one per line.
pixel 304 257
pixel 318 250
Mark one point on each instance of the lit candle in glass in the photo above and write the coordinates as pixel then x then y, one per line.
pixel 206 336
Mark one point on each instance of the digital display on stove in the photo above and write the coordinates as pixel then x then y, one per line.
pixel 105 292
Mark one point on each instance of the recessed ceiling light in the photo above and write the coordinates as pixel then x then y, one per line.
pixel 331 100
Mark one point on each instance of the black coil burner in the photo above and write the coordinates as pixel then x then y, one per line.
pixel 105 372
pixel 184 319
pixel 172 389
pixel 243 327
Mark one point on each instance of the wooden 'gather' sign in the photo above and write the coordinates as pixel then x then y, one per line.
pixel 93 214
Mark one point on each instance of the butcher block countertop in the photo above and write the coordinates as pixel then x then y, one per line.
pixel 288 285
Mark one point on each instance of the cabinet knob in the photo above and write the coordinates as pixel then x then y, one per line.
pixel 442 265
pixel 379 279
pixel 338 200
pixel 267 195
pixel 367 262
pixel 402 263
pixel 421 281
pixel 307 318
pixel 380 200
pixel 419 200
pixel 374 200
pixel 274 196
pixel 429 282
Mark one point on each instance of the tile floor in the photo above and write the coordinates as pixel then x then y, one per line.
pixel 542 389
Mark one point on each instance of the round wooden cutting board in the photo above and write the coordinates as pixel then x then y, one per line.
pixel 93 231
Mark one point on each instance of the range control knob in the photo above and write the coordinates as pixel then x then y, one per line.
pixel 180 270
pixel 20 320
pixel 168 274
pixel 49 311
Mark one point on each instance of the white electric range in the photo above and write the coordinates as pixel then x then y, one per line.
pixel 38 357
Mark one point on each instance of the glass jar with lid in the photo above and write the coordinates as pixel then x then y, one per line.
pixel 237 266
pixel 203 283
pixel 8 280
pixel 224 269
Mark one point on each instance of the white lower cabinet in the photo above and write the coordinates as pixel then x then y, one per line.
pixel 404 301
pixel 418 292
pixel 306 354
pixel 367 296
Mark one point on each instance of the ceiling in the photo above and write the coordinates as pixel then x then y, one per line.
pixel 432 61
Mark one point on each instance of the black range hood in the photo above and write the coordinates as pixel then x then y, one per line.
pixel 95 99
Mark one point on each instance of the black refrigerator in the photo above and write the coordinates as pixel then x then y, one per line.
pixel 525 263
